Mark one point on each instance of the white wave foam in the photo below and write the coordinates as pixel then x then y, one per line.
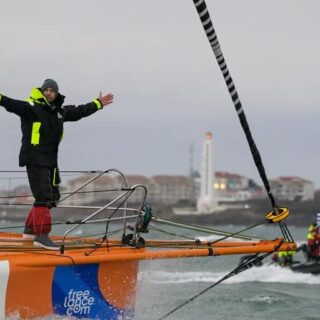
pixel 271 274
pixel 275 274
pixel 263 299
pixel 216 237
pixel 163 277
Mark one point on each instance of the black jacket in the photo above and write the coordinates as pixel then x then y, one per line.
pixel 42 125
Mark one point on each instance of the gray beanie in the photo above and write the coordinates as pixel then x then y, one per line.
pixel 49 83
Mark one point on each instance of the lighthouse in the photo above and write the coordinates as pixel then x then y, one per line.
pixel 205 203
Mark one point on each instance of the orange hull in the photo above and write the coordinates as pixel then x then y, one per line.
pixel 90 282
pixel 93 290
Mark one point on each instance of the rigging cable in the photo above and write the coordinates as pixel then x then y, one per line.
pixel 204 16
pixel 61 193
pixel 242 267
pixel 204 229
pixel 215 45
pixel 171 233
pixel 276 213
pixel 61 171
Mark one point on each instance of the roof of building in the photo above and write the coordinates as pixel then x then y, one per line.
pixel 80 179
pixel 176 180
pixel 224 174
pixel 103 180
pixel 293 179
pixel 138 179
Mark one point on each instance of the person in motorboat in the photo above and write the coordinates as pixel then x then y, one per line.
pixel 313 242
pixel 285 258
pixel 310 250
pixel 42 116
pixel 275 258
pixel 282 258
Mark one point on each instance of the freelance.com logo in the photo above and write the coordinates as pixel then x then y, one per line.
pixel 78 302
pixel 76 293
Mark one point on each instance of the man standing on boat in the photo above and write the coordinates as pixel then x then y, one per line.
pixel 42 117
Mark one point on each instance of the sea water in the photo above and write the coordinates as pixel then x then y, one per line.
pixel 267 292
pixel 261 293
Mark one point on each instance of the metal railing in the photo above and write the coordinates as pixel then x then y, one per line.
pixel 122 200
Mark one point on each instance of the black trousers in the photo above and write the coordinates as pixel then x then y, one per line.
pixel 44 183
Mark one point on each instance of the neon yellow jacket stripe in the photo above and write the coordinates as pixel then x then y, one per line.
pixel 98 103
pixel 35 134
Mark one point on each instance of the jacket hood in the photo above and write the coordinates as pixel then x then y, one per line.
pixel 37 96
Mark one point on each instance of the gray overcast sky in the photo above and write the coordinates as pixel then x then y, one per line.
pixel 154 57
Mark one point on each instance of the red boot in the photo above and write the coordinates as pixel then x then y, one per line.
pixel 42 227
pixel 28 232
pixel 41 220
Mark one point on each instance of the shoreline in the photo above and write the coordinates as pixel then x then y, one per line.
pixel 302 214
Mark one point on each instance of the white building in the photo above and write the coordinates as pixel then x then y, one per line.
pixel 170 189
pixel 232 187
pixel 163 189
pixel 292 188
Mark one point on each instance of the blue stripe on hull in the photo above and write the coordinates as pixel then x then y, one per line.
pixel 76 292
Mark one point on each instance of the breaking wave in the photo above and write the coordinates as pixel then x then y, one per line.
pixel 271 274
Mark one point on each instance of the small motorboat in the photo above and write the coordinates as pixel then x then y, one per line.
pixel 312 266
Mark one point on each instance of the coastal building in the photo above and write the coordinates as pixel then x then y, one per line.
pixel 292 188
pixel 184 190
pixel 164 189
pixel 137 180
pixel 170 189
pixel 232 187
pixel 219 188
pixel 84 196
pixel 103 189
pixel 20 195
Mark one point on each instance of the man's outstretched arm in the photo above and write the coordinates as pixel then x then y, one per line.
pixel 20 108
pixel 73 113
